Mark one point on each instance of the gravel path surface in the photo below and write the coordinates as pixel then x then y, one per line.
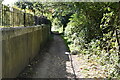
pixel 50 63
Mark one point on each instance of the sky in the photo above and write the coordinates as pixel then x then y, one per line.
pixel 10 2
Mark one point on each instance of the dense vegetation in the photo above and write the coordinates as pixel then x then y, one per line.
pixel 93 31
pixel 90 29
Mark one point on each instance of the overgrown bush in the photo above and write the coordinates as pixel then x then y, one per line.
pixel 96 37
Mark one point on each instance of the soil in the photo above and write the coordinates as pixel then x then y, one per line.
pixel 52 62
pixel 55 62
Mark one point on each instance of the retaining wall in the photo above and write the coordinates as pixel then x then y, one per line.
pixel 19 46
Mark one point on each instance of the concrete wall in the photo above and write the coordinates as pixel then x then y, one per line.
pixel 19 46
pixel 0 54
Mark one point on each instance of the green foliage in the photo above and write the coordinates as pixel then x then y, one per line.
pixel 91 30
pixel 56 23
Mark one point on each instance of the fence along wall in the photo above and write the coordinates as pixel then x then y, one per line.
pixel 11 17
pixel 19 46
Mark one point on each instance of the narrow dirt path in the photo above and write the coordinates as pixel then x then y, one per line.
pixel 50 63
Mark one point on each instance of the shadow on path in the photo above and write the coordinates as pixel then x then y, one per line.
pixel 50 63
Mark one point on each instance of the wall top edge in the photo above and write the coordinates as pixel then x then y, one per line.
pixel 17 28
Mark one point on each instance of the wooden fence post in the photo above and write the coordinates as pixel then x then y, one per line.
pixel 24 18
